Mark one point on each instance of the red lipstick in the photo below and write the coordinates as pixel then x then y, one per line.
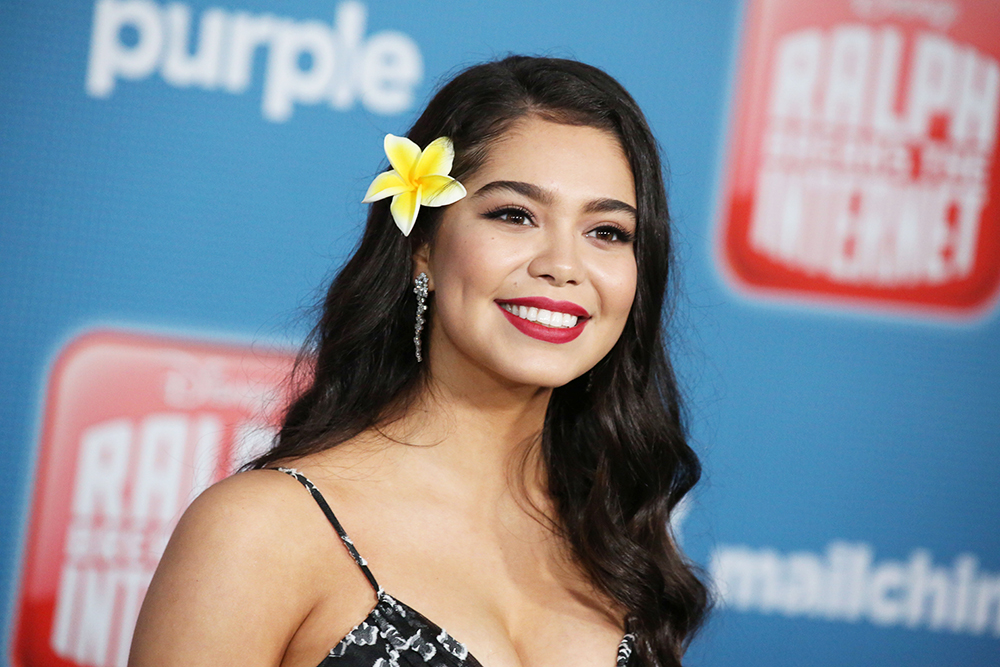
pixel 540 331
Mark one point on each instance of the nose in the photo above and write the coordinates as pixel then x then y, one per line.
pixel 557 259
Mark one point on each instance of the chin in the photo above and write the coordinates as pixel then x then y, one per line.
pixel 540 376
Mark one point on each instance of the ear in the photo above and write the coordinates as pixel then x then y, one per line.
pixel 422 263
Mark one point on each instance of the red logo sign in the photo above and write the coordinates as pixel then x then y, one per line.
pixel 135 427
pixel 862 163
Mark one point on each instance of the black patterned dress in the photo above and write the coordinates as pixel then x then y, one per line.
pixel 396 635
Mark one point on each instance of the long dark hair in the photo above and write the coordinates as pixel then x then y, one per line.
pixel 614 442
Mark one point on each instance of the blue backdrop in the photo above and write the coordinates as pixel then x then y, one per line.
pixel 843 451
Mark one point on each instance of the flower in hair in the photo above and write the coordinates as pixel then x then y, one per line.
pixel 418 178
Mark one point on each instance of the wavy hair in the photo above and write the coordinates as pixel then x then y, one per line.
pixel 614 442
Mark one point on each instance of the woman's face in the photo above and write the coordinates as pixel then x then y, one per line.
pixel 533 272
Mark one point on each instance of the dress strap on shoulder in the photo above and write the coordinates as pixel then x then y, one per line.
pixel 323 505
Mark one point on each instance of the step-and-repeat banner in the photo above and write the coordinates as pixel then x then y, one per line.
pixel 178 178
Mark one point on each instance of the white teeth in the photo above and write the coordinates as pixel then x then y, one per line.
pixel 548 318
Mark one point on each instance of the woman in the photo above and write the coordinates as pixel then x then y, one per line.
pixel 509 467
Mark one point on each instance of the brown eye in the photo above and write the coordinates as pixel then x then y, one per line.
pixel 610 234
pixel 511 214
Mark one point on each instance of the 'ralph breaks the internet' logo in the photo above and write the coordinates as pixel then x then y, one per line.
pixel 135 427
pixel 862 164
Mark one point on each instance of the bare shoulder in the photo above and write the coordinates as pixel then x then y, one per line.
pixel 259 515
pixel 249 562
pixel 247 504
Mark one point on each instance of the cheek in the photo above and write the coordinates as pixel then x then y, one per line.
pixel 468 268
pixel 617 289
pixel 471 257
pixel 453 261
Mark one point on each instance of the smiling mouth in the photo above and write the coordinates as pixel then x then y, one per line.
pixel 549 318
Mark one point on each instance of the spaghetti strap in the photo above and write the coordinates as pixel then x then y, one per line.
pixel 321 501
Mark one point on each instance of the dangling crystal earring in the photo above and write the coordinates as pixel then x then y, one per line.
pixel 420 289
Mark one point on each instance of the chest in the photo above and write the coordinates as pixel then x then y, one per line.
pixel 509 594
pixel 394 633
pixel 502 595
pixel 491 588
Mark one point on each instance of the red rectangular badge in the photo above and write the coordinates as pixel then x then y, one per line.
pixel 862 162
pixel 134 428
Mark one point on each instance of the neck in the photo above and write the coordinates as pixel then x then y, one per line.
pixel 479 433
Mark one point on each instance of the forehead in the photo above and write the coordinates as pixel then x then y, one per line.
pixel 572 161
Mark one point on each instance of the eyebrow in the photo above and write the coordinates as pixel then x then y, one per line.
pixel 530 191
pixel 607 205
pixel 543 196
